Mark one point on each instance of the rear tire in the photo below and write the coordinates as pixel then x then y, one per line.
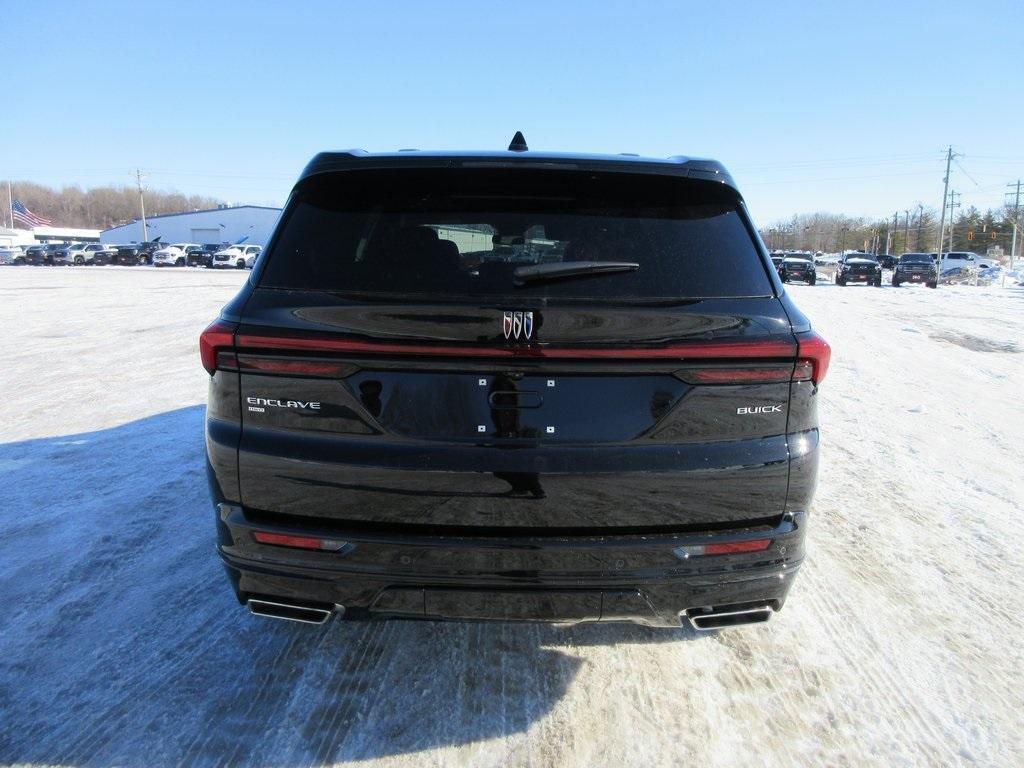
pixel 811 280
pixel 840 281
pixel 240 264
pixel 895 283
pixel 79 261
pixel 179 263
pixel 932 285
pixel 878 282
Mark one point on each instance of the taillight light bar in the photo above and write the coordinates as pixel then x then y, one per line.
pixel 298 542
pixel 221 342
pixel 697 350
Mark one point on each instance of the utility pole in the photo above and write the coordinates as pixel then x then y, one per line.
pixel 1017 219
pixel 945 196
pixel 142 205
pixel 890 236
pixel 920 225
pixel 906 232
pixel 954 203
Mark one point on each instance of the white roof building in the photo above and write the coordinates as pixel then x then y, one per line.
pixel 47 234
pixel 251 224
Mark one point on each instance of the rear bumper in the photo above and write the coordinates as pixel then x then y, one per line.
pixel 643 579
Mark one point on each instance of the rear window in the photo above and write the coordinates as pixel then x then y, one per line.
pixel 463 233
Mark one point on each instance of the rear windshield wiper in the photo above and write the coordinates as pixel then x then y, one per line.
pixel 561 269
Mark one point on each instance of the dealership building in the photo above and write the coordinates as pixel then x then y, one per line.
pixel 250 224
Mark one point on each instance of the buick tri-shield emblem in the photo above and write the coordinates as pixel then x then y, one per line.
pixel 518 325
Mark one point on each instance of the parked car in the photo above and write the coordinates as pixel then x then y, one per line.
pixel 967 260
pixel 859 267
pixel 35 255
pixel 239 256
pixel 797 267
pixel 50 251
pixel 11 254
pixel 96 254
pixel 888 260
pixel 203 255
pixel 147 249
pixel 129 255
pixel 72 253
pixel 777 260
pixel 99 254
pixel 393 433
pixel 174 255
pixel 137 253
pixel 915 268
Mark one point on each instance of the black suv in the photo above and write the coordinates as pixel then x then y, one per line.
pixel 202 256
pixel 916 268
pixel 37 254
pixel 859 267
pixel 513 385
pixel 797 266
pixel 127 255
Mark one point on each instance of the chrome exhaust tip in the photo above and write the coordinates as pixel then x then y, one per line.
pixel 728 616
pixel 288 611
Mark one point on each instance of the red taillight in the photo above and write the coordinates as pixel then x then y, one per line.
pixel 813 355
pixel 218 335
pixel 299 542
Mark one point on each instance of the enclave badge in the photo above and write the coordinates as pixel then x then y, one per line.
pixel 518 325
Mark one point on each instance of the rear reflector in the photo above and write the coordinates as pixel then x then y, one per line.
pixel 724 548
pixel 299 542
pixel 294 367
pixel 734 547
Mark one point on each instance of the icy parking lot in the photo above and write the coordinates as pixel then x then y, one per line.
pixel 121 643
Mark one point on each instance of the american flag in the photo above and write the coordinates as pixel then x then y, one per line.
pixel 26 217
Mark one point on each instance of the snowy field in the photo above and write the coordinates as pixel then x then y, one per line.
pixel 121 644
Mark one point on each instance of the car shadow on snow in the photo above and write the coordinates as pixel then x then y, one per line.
pixel 121 642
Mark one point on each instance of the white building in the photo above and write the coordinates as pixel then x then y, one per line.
pixel 251 224
pixel 48 235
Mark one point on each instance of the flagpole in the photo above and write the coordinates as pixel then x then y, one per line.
pixel 10 202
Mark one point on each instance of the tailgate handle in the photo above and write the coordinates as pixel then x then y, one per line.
pixel 501 399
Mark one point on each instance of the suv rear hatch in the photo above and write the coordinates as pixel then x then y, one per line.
pixel 414 357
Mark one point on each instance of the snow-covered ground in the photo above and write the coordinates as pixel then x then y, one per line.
pixel 121 644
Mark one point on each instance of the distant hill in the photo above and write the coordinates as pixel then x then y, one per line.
pixel 99 207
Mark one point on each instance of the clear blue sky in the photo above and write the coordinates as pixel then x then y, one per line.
pixel 844 107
